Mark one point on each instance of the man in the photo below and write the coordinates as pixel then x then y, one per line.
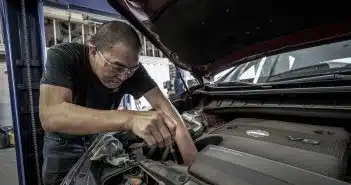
pixel 81 89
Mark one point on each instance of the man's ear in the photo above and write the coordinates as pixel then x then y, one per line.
pixel 92 49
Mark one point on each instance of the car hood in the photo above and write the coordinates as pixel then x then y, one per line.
pixel 208 36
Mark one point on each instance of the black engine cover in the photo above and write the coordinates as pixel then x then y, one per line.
pixel 318 149
pixel 223 166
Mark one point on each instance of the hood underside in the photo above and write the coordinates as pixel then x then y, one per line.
pixel 208 36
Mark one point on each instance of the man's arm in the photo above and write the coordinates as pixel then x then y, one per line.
pixel 182 137
pixel 56 111
pixel 58 114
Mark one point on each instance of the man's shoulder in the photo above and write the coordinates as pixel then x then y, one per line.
pixel 68 52
pixel 67 47
pixel 62 64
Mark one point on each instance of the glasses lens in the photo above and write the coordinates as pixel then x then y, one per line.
pixel 119 69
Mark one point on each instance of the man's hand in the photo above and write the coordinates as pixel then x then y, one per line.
pixel 182 137
pixel 154 127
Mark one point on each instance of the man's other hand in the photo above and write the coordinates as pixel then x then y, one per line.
pixel 155 127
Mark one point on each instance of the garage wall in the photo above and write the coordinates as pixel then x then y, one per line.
pixel 158 69
pixel 5 104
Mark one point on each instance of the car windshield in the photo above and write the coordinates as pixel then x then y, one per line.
pixel 296 64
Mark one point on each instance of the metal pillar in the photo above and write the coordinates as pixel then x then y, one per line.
pixel 69 31
pixel 144 47
pixel 55 33
pixel 16 59
pixel 94 28
pixel 83 34
pixel 153 51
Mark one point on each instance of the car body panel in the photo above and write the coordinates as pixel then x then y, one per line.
pixel 207 36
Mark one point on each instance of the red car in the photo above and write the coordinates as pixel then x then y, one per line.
pixel 279 116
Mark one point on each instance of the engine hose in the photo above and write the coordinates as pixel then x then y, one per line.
pixel 30 89
pixel 166 153
pixel 169 150
pixel 151 151
pixel 173 154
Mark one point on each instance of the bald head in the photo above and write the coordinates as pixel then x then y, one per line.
pixel 116 32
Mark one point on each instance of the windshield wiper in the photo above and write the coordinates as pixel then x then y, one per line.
pixel 309 71
pixel 235 83
pixel 309 79
pixel 242 85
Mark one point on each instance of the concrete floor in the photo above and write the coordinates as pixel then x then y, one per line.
pixel 8 166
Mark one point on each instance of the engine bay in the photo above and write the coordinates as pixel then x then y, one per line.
pixel 238 151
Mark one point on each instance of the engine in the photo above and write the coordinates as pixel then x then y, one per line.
pixel 239 151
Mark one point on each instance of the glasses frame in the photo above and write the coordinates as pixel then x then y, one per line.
pixel 117 66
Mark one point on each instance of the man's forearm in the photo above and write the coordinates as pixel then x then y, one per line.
pixel 183 139
pixel 185 145
pixel 73 119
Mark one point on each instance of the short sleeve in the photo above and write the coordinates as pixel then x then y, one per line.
pixel 58 69
pixel 140 83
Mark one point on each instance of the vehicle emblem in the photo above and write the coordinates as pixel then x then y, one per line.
pixel 311 141
pixel 305 140
pixel 292 138
pixel 257 133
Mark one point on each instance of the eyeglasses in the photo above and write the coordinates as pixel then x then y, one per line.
pixel 117 67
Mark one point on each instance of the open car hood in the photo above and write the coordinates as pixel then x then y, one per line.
pixel 208 36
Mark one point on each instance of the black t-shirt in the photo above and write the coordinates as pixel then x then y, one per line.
pixel 68 66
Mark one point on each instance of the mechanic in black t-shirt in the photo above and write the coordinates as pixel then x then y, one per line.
pixel 81 89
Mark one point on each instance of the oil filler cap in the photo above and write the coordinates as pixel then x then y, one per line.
pixel 257 133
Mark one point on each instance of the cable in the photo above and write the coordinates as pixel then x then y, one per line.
pixel 30 89
pixel 183 81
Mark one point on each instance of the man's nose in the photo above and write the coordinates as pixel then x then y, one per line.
pixel 123 76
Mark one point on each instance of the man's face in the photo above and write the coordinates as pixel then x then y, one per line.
pixel 115 65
